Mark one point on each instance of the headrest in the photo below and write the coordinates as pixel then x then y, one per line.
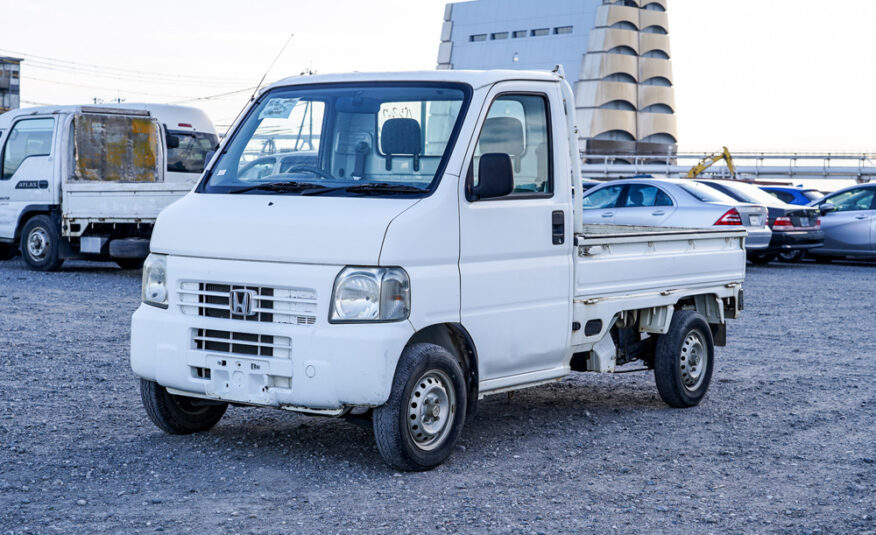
pixel 637 198
pixel 400 136
pixel 502 134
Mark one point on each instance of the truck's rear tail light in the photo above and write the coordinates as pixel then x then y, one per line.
pixel 730 217
pixel 782 223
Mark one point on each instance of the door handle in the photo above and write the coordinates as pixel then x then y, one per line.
pixel 862 217
pixel 558 226
pixel 608 214
pixel 658 212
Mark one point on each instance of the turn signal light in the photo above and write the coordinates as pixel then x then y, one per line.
pixel 730 217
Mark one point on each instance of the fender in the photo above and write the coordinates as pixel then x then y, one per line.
pixel 32 209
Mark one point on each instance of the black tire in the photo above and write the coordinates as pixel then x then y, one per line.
pixel 41 244
pixel 791 256
pixel 761 258
pixel 178 415
pixel 396 430
pixel 677 381
pixel 130 263
pixel 7 251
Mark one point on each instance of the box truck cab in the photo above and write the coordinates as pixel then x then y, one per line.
pixel 426 250
pixel 89 181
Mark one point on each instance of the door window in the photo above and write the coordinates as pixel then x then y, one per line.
pixel 602 198
pixel 517 125
pixel 29 137
pixel 856 199
pixel 643 195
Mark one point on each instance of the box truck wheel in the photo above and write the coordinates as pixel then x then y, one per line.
pixel 684 359
pixel 419 425
pixel 179 415
pixel 40 244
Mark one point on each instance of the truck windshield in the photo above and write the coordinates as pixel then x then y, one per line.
pixel 342 139
pixel 190 151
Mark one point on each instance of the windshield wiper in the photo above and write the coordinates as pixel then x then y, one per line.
pixel 376 188
pixel 280 187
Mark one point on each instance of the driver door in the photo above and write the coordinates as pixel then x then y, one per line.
pixel 26 172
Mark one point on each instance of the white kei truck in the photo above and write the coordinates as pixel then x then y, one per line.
pixel 418 246
pixel 89 181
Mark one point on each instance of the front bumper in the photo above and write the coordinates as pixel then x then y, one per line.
pixel 796 239
pixel 326 368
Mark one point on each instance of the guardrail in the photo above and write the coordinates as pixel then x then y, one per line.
pixel 860 167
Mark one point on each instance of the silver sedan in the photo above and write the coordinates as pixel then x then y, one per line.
pixel 668 202
pixel 849 223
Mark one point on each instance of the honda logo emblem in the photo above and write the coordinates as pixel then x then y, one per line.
pixel 242 302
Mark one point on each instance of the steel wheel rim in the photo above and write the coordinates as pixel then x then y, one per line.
pixel 693 360
pixel 431 410
pixel 38 243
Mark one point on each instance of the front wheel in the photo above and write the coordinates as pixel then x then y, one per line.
pixel 419 425
pixel 684 359
pixel 41 244
pixel 179 415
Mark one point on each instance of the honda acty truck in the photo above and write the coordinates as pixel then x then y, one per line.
pixel 415 244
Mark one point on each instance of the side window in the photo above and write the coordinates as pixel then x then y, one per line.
pixel 643 195
pixel 603 198
pixel 852 200
pixel 518 125
pixel 29 137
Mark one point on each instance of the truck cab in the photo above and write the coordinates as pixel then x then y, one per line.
pixel 426 250
pixel 76 179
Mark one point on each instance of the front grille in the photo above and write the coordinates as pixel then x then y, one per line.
pixel 270 304
pixel 247 344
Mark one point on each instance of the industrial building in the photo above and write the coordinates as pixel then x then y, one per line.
pixel 615 54
pixel 10 83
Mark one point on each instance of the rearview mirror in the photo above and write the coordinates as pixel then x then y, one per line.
pixel 495 176
pixel 827 208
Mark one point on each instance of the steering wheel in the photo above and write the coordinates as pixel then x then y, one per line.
pixel 315 170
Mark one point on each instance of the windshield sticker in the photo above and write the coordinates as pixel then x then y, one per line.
pixel 278 108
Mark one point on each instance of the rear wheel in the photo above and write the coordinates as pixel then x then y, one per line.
pixel 130 263
pixel 791 256
pixel 761 258
pixel 179 415
pixel 40 244
pixel 419 425
pixel 684 359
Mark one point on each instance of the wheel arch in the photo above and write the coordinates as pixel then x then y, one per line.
pixel 458 342
pixel 32 210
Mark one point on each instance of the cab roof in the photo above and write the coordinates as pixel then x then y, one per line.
pixel 171 115
pixel 476 79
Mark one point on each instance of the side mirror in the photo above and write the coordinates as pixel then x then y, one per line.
pixel 495 176
pixel 208 157
pixel 827 207
pixel 172 141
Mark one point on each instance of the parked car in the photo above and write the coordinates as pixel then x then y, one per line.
pixel 793 194
pixel 848 222
pixel 796 229
pixel 587 184
pixel 670 202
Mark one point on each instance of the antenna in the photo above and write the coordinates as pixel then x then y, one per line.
pixel 271 66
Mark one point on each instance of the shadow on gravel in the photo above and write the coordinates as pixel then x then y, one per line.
pixel 255 439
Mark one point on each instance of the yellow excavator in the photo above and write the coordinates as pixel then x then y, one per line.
pixel 711 160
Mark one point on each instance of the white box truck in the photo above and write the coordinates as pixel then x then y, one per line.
pixel 414 243
pixel 89 182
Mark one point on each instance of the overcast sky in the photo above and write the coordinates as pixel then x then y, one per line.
pixel 749 74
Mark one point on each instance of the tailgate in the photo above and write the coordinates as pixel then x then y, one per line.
pixel 657 260
pixel 107 201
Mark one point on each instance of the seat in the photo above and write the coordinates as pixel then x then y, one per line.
pixel 401 137
pixel 637 198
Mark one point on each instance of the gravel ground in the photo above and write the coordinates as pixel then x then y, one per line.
pixel 783 443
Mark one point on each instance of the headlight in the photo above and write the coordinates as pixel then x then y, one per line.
pixel 371 294
pixel 155 281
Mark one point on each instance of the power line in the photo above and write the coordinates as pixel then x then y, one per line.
pixel 61 63
pixel 78 70
pixel 104 88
